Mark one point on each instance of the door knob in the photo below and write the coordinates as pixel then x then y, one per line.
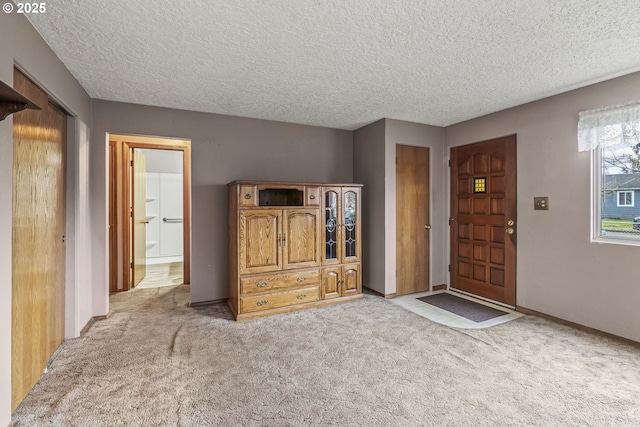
pixel 510 230
pixel 427 227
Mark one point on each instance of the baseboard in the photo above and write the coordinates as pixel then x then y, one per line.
pixel 366 290
pixel 88 326
pixel 102 317
pixel 439 287
pixel 209 302
pixel 578 326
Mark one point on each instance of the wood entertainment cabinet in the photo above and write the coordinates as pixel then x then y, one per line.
pixel 292 246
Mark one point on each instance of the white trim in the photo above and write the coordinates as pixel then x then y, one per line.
pixel 631 205
pixel 596 208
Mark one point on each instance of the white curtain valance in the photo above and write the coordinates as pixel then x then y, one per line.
pixel 608 126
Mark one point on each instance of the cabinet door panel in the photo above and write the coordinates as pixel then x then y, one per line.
pixel 301 238
pixel 351 279
pixel 331 223
pixel 330 283
pixel 260 233
pixel 351 224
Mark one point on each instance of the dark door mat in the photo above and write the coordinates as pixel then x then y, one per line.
pixel 463 307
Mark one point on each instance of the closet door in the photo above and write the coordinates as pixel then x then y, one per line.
pixel 38 250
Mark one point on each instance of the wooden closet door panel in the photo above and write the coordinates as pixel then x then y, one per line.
pixel 38 252
pixel 260 240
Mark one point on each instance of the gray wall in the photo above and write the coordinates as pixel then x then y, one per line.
pixel 374 153
pixel 559 271
pixel 20 44
pixel 368 169
pixel 416 134
pixel 224 149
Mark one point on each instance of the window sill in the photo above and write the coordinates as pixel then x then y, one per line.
pixel 627 241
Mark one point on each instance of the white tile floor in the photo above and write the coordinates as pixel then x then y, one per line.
pixel 444 317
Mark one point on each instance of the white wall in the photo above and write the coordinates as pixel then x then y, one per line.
pixel 559 271
pixel 164 200
pixel 20 44
pixel 164 183
pixel 167 161
pixel 78 292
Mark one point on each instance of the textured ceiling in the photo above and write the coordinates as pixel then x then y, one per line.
pixel 341 63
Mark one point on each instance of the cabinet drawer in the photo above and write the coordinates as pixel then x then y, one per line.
pixel 276 282
pixel 279 299
pixel 248 195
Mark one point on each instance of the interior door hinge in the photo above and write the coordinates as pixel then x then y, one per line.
pixel 131 265
pixel 131 163
pixel 449 163
pixel 449 268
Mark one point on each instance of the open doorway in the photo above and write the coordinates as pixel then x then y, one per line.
pixel 149 211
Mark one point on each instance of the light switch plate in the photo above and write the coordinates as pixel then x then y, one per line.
pixel 541 203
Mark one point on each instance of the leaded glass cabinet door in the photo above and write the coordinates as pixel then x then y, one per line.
pixel 331 221
pixel 351 237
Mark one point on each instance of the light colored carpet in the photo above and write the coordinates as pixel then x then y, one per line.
pixel 158 362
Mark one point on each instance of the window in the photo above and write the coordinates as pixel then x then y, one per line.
pixel 625 198
pixel 613 135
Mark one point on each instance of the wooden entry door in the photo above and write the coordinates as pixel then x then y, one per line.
pixel 483 219
pixel 38 250
pixel 412 219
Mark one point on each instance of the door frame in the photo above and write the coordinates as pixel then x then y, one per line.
pixel 127 143
pixel 514 216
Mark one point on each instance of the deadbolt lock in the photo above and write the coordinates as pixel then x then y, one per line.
pixel 510 223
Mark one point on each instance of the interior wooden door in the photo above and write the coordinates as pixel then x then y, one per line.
pixel 412 219
pixel 38 250
pixel 139 217
pixel 483 219
pixel 260 240
pixel 113 218
pixel 301 238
